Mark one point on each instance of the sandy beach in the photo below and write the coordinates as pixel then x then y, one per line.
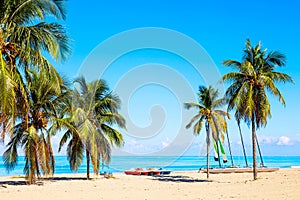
pixel 282 184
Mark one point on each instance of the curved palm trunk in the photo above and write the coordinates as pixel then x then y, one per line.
pixel 207 149
pixel 254 149
pixel 229 146
pixel 87 164
pixel 242 140
pixel 218 152
pixel 102 164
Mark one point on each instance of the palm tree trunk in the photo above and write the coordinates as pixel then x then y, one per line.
pixel 242 140
pixel 254 149
pixel 218 152
pixel 102 164
pixel 207 150
pixel 229 146
pixel 87 164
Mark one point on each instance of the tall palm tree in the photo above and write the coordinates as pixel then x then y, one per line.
pixel 94 114
pixel 209 114
pixel 46 101
pixel 25 36
pixel 247 94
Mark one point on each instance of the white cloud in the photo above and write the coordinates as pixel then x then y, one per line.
pixel 165 143
pixel 281 141
pixel 134 145
pixel 267 139
pixel 131 142
pixel 284 141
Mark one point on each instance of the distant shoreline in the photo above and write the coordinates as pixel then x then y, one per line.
pixel 173 163
pixel 282 184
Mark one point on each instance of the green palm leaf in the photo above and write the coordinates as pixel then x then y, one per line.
pixel 93 116
pixel 247 92
pixel 208 113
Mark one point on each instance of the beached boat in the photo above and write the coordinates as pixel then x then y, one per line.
pixel 132 172
pixel 164 171
pixel 160 171
pixel 143 171
pixel 137 171
pixel 147 172
pixel 237 170
pixel 102 172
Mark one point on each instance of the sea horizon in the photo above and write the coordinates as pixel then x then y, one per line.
pixel 173 163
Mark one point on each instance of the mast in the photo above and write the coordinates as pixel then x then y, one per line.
pixel 261 159
pixel 242 140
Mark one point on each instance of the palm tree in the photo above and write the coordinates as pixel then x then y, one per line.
pixel 93 114
pixel 24 37
pixel 209 114
pixel 46 101
pixel 247 94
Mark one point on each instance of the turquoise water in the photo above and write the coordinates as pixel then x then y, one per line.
pixel 184 163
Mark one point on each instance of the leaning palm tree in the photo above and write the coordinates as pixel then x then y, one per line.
pixel 209 114
pixel 94 114
pixel 247 94
pixel 25 37
pixel 46 101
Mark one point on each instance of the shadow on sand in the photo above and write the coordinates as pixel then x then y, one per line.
pixel 185 179
pixel 62 178
pixel 3 183
pixel 39 181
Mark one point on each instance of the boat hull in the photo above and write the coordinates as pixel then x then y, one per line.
pixel 237 170
pixel 152 172
pixel 138 173
pixel 165 172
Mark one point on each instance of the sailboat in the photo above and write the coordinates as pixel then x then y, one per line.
pixel 234 169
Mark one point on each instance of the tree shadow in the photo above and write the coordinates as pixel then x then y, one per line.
pixel 3 183
pixel 63 178
pixel 40 181
pixel 183 179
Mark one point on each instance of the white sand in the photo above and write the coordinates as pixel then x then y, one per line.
pixel 283 184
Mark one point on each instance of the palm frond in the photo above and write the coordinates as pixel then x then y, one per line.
pixel 114 136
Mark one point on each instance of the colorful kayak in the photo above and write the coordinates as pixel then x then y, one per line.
pixel 165 172
pixel 147 172
pixel 130 172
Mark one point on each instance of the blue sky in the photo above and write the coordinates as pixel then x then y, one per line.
pixel 221 28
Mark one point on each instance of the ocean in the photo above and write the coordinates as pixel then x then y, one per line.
pixel 174 163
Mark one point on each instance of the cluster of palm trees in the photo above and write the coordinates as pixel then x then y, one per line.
pixel 246 95
pixel 36 102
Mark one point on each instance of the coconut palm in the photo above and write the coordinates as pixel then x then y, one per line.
pixel 24 38
pixel 209 114
pixel 46 101
pixel 94 114
pixel 247 94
